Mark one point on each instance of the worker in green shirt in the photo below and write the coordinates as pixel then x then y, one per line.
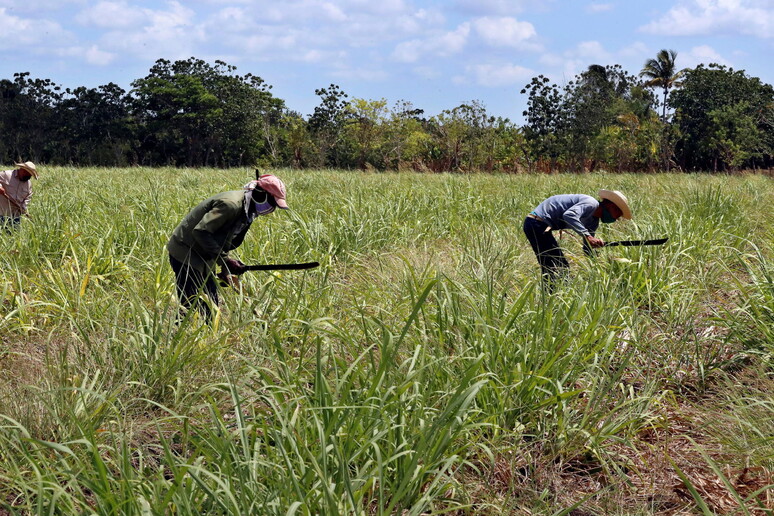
pixel 213 228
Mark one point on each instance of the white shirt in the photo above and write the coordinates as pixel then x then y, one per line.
pixel 19 191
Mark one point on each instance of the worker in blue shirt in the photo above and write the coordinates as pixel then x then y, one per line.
pixel 578 212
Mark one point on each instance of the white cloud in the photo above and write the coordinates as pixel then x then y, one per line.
pixel 270 40
pixel 230 2
pixel 451 42
pixel 170 33
pixel 99 57
pixel 281 43
pixel 638 49
pixel 361 74
pixel 92 55
pixel 599 8
pixel 427 72
pixel 318 56
pixel 563 67
pixel 490 7
pixel 174 18
pixel 333 12
pixel 419 21
pixel 121 16
pixel 408 51
pixel 35 34
pixel 114 15
pixel 592 51
pixel 712 17
pixel 380 7
pixel 492 75
pixel 321 12
pixel 312 56
pixel 703 54
pixel 237 19
pixel 441 45
pixel 287 30
pixel 551 60
pixel 504 31
pixel 37 7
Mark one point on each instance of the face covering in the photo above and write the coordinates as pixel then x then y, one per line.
pixel 262 203
pixel 25 179
pixel 607 218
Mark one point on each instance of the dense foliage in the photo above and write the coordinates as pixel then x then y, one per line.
pixel 192 113
pixel 724 118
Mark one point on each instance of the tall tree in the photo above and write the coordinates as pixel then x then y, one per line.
pixel 405 138
pixel 563 125
pixel 594 101
pixel 367 129
pixel 94 126
pixel 662 72
pixel 195 114
pixel 725 119
pixel 178 112
pixel 327 124
pixel 27 117
pixel 546 118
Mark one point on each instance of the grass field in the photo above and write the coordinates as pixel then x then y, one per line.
pixel 419 370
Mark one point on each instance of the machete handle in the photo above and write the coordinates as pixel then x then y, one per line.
pixel 229 278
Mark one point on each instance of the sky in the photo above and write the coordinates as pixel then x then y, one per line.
pixel 435 54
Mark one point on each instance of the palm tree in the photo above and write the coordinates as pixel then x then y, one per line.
pixel 661 72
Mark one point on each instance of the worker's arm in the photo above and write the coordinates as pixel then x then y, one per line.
pixel 25 203
pixel 19 206
pixel 572 217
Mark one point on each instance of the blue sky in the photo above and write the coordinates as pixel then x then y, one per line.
pixel 435 54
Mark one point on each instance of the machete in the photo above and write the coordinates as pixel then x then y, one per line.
pixel 632 243
pixel 282 266
pixel 227 279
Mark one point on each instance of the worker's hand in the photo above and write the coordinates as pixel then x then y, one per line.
pixel 235 266
pixel 227 280
pixel 594 241
pixel 2 190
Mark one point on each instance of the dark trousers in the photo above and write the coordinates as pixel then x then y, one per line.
pixel 9 224
pixel 190 283
pixel 549 254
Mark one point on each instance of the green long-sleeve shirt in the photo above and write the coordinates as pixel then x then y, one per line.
pixel 213 228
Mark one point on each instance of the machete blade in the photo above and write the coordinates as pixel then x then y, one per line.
pixel 282 266
pixel 632 243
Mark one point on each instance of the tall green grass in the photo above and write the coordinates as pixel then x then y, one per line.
pixel 391 380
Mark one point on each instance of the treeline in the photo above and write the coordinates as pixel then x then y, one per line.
pixel 192 113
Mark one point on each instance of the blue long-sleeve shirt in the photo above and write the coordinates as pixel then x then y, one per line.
pixel 574 211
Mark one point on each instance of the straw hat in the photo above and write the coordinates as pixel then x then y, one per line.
pixel 619 200
pixel 29 167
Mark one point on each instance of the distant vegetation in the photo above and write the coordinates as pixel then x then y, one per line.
pixel 193 113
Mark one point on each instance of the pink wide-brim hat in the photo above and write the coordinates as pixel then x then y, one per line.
pixel 275 187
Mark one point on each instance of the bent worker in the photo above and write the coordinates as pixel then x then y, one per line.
pixel 212 229
pixel 15 194
pixel 578 212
